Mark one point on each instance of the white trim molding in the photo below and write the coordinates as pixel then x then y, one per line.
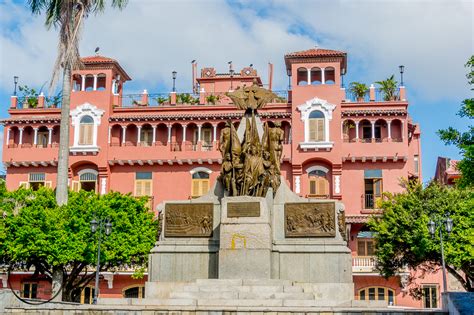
pixel 85 109
pixel 326 108
pixel 88 170
pixel 200 169
pixel 317 168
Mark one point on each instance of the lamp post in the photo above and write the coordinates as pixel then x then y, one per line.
pixel 288 73
pixel 432 225
pixel 402 68
pixel 174 80
pixel 15 81
pixel 231 71
pixel 101 224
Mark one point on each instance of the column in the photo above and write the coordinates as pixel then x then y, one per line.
pixel 373 130
pixel 7 142
pixel 139 135
pixel 342 130
pixel 184 133
pixel 110 132
pixel 199 133
pixel 309 76
pixel 403 130
pixel 389 129
pixel 114 89
pixel 83 83
pixel 323 77
pixel 95 82
pixel 154 134
pixel 35 136
pixel 214 133
pixel 50 136
pixel 124 133
pixel 169 134
pixel 21 136
pixel 357 130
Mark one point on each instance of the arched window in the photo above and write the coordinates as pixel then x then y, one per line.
pixel 101 81
pixel 84 296
pixel 316 126
pixel 86 130
pixel 318 184
pixel 316 77
pixel 88 180
pixel 329 75
pixel 377 293
pixel 89 83
pixel 302 76
pixel 200 184
pixel 136 292
pixel 146 136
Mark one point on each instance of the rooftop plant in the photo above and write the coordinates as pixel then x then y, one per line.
pixel 358 90
pixel 388 88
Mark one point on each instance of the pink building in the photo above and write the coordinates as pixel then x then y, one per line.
pixel 166 147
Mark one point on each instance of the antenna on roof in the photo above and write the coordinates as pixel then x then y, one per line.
pixel 97 50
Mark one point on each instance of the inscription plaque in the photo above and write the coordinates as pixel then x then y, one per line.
pixel 305 219
pixel 189 220
pixel 243 209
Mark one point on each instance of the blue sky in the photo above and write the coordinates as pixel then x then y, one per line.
pixel 433 39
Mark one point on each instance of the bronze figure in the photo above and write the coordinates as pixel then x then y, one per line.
pixel 251 166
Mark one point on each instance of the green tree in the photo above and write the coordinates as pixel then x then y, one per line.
pixel 68 16
pixel 36 232
pixel 402 236
pixel 464 140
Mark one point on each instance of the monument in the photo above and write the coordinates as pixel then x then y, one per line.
pixel 251 241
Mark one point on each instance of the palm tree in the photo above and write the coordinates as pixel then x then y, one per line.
pixel 68 16
pixel 388 88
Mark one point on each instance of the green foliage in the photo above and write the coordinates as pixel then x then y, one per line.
pixel 29 96
pixel 212 99
pixel 161 100
pixel 464 140
pixel 358 89
pixel 35 232
pixel 186 98
pixel 388 87
pixel 403 239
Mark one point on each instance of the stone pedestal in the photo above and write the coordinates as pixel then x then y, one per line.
pixel 245 238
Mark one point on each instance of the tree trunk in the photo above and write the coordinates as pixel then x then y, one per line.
pixel 57 283
pixel 63 156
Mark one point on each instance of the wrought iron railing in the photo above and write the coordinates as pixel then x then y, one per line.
pixel 370 201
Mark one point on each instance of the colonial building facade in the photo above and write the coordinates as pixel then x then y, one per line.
pixel 165 146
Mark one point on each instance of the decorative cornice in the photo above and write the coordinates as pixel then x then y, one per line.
pixel 29 120
pixel 198 116
pixel 373 112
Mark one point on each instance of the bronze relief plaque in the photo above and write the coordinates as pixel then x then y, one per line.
pixel 189 220
pixel 243 209
pixel 307 219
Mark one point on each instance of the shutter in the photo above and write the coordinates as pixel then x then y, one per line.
pixel 206 135
pixel 89 134
pixel 204 186
pixel 320 129
pixel 76 185
pixel 138 188
pixel 146 188
pixel 312 187
pixel 25 185
pixel 361 248
pixel 323 186
pixel 312 129
pixel 195 188
pixel 48 184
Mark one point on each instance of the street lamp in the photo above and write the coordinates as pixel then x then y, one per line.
pixel 15 81
pixel 288 73
pixel 107 226
pixel 231 71
pixel 174 80
pixel 432 225
pixel 402 68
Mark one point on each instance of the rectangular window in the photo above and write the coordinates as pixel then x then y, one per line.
pixel 143 175
pixel 36 180
pixel 42 140
pixel 30 290
pixel 144 186
pixel 430 296
pixel 200 187
pixel 86 133
pixel 372 188
pixel 316 129
pixel 146 137
pixel 417 165
pixel 365 247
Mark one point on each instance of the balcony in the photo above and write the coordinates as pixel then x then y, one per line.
pixel 376 95
pixel 39 102
pixel 364 264
pixel 370 201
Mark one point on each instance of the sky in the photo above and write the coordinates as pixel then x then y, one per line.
pixel 151 38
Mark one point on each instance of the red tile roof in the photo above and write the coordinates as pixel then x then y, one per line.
pixel 317 52
pixel 452 168
pixel 98 59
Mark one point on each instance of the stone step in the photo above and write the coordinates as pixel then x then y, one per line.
pixel 241 303
pixel 266 282
pixel 278 296
pixel 232 288
pixel 164 302
pixel 205 295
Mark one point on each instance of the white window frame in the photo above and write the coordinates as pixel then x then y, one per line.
pixel 326 108
pixel 85 109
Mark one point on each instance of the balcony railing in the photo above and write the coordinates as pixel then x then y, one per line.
pixel 370 201
pixel 363 263
pixel 374 95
